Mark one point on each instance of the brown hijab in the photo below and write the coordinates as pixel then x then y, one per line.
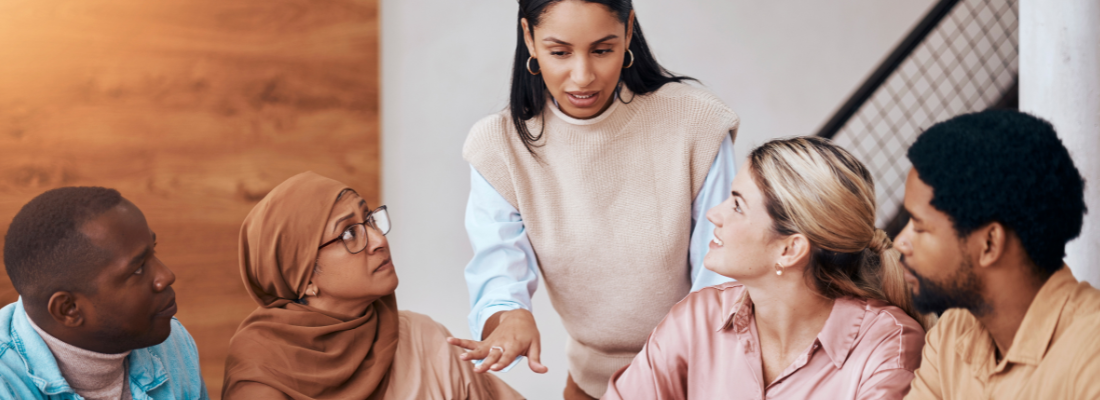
pixel 301 351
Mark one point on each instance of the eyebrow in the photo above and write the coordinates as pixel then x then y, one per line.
pixel 362 202
pixel 911 216
pixel 562 42
pixel 144 253
pixel 735 193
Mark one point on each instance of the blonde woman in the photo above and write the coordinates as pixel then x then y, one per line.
pixel 820 308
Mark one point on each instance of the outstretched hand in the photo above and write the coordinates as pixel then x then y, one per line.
pixel 507 334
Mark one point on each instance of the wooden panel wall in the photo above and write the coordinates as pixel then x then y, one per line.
pixel 194 110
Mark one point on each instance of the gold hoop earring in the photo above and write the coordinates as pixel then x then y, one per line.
pixel 778 269
pixel 631 59
pixel 529 66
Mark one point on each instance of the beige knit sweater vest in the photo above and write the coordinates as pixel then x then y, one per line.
pixel 607 207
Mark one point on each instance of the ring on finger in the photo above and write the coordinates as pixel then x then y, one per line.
pixel 498 348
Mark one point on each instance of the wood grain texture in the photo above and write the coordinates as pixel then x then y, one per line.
pixel 193 110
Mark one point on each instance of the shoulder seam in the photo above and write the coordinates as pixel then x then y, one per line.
pixel 899 331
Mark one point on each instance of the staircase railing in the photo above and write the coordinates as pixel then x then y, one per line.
pixel 960 57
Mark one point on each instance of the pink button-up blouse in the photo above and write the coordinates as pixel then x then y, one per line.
pixel 707 347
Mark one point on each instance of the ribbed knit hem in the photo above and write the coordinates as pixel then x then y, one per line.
pixel 591 369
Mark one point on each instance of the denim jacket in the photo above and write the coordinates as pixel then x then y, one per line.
pixel 169 370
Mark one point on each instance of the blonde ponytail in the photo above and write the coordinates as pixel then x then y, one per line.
pixel 894 288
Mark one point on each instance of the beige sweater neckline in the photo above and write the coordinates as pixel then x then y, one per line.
pixel 92 375
pixel 556 110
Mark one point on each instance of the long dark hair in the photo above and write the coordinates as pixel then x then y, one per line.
pixel 528 98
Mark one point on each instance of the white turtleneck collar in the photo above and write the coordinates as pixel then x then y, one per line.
pixel 92 375
pixel 588 121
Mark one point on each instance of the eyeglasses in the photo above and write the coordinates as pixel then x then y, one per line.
pixel 355 236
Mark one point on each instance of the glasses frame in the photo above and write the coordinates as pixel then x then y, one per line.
pixel 367 222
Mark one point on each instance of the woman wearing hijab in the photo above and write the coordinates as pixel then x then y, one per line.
pixel 317 262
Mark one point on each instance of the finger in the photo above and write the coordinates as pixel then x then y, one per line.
pixel 469 346
pixel 511 351
pixel 463 343
pixel 492 358
pixel 533 355
pixel 478 353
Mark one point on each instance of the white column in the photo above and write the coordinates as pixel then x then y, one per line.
pixel 1060 82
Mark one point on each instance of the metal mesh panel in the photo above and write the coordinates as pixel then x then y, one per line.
pixel 967 63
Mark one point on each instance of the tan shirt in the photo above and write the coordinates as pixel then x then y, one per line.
pixel 427 368
pixel 1055 354
pixel 607 207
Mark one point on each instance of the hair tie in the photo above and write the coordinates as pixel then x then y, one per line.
pixel 881 242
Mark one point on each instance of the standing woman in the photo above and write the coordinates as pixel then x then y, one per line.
pixel 598 175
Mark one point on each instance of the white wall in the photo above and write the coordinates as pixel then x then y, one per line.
pixel 783 65
pixel 1060 81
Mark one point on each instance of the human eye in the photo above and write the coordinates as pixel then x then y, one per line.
pixel 912 226
pixel 348 233
pixel 141 269
pixel 737 205
pixel 559 53
pixel 602 52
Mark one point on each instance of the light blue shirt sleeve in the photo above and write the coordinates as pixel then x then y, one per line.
pixel 503 274
pixel 715 190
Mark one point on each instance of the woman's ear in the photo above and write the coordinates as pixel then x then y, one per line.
pixel 795 252
pixel 527 39
pixel 312 290
pixel 64 310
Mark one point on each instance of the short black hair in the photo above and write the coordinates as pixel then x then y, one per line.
pixel 1009 167
pixel 44 249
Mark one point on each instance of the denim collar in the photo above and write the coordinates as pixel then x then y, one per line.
pixel 146 373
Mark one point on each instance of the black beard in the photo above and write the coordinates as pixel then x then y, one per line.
pixel 962 290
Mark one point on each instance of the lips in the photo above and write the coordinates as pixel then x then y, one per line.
pixel 910 278
pixel 583 99
pixel 388 264
pixel 168 310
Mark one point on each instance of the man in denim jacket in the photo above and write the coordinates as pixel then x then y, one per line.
pixel 94 318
